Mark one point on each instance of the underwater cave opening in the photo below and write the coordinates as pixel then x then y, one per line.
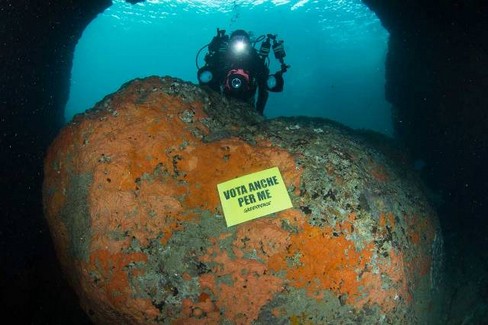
pixel 336 50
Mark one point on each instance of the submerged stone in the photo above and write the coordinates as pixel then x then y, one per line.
pixel 130 194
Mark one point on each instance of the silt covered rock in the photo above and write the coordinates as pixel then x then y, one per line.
pixel 130 193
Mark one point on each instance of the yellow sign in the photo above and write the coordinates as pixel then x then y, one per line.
pixel 252 196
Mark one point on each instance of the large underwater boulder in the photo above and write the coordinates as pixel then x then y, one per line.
pixel 130 194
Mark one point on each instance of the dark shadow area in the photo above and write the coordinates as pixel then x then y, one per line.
pixel 36 50
pixel 436 80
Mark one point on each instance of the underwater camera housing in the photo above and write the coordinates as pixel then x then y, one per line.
pixel 238 82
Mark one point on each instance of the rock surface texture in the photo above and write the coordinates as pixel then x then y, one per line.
pixel 130 194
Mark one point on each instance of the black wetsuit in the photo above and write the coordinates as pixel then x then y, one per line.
pixel 221 61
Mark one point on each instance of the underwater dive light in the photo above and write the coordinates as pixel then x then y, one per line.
pixel 239 45
pixel 205 76
pixel 265 47
pixel 271 82
pixel 279 50
pixel 275 81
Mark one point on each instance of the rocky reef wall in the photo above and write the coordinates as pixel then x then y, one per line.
pixel 130 194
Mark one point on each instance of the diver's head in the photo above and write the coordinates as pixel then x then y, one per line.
pixel 240 42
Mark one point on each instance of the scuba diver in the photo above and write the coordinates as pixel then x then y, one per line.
pixel 235 68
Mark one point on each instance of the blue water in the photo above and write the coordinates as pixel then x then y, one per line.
pixel 336 50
